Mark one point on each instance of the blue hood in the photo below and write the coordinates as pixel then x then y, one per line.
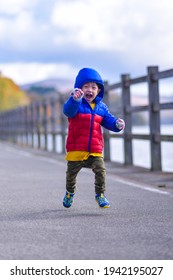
pixel 86 75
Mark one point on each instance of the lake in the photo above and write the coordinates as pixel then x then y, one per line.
pixel 141 148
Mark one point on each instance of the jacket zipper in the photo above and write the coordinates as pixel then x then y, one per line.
pixel 91 127
pixel 91 131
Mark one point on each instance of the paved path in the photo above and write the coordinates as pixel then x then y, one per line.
pixel 34 224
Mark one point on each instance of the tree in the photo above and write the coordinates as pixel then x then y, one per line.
pixel 11 96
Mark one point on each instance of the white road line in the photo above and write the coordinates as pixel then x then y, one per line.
pixel 141 186
pixel 138 185
pixel 38 157
pixel 113 177
pixel 50 160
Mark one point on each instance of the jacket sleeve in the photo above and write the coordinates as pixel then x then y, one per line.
pixel 70 107
pixel 109 121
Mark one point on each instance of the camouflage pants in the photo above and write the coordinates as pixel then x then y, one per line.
pixel 98 167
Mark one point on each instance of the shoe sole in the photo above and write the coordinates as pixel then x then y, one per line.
pixel 67 206
pixel 106 206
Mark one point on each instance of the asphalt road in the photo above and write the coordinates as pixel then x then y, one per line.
pixel 34 225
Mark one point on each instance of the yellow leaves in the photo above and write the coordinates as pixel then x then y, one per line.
pixel 11 96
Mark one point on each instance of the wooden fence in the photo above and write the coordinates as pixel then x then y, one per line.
pixel 41 122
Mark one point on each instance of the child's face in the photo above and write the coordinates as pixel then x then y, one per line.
pixel 90 91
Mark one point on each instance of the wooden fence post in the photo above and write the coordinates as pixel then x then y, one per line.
pixel 45 124
pixel 27 124
pixel 53 123
pixel 126 104
pixel 22 124
pixel 38 124
pixel 154 119
pixel 32 125
pixel 15 126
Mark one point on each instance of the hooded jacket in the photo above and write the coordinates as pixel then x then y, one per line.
pixel 84 129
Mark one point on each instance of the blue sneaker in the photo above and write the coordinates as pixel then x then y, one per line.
pixel 68 199
pixel 102 201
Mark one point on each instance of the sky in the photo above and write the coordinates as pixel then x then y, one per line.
pixel 41 39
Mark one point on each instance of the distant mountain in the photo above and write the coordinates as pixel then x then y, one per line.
pixel 56 84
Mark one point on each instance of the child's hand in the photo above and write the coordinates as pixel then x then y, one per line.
pixel 77 94
pixel 120 124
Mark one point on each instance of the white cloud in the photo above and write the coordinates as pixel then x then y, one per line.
pixel 133 28
pixel 23 73
pixel 13 7
pixel 86 23
pixel 19 24
pixel 16 32
pixel 130 34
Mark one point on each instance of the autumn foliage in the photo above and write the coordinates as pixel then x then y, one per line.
pixel 11 96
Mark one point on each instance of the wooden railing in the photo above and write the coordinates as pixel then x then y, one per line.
pixel 154 108
pixel 33 125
